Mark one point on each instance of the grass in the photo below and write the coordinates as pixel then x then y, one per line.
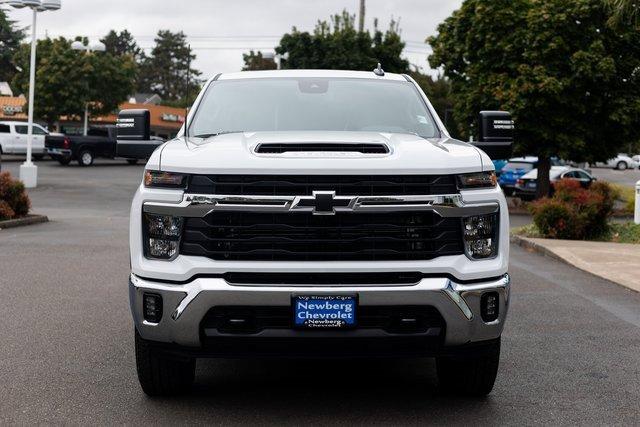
pixel 626 195
pixel 626 232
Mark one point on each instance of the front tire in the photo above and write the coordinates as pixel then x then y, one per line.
pixel 85 158
pixel 621 166
pixel 470 375
pixel 160 375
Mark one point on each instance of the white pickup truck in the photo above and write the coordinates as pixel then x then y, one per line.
pixel 318 214
pixel 13 138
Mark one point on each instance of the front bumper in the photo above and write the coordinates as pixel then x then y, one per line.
pixel 185 305
pixel 58 152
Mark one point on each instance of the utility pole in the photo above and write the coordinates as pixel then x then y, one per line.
pixel 361 18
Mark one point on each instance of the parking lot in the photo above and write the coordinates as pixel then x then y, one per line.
pixel 571 348
pixel 627 177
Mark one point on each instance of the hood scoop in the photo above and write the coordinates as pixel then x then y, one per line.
pixel 321 147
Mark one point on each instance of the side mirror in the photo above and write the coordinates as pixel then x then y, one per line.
pixel 495 134
pixel 134 125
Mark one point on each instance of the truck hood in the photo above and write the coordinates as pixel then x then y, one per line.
pixel 236 154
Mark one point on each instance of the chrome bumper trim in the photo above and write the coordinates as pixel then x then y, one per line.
pixel 200 205
pixel 187 304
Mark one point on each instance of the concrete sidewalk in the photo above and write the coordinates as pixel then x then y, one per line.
pixel 616 262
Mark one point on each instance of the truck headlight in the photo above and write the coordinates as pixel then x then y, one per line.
pixel 162 236
pixel 160 179
pixel 480 236
pixel 477 180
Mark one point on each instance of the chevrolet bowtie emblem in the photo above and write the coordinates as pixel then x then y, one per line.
pixel 323 202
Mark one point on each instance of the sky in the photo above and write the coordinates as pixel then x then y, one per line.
pixel 219 31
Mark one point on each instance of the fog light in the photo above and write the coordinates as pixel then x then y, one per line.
pixel 480 236
pixel 490 306
pixel 152 307
pixel 165 249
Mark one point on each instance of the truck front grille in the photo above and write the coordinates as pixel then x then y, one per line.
pixel 304 237
pixel 305 185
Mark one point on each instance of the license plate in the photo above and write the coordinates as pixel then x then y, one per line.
pixel 324 311
pixel 531 185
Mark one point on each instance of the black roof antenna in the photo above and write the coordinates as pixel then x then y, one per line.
pixel 378 71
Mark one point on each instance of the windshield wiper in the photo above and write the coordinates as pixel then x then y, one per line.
pixel 211 135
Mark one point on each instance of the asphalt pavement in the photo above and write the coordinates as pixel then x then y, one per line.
pixel 627 177
pixel 571 347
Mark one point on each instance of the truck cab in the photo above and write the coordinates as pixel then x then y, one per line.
pixel 311 213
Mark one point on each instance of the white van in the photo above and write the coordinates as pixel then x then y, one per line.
pixel 13 139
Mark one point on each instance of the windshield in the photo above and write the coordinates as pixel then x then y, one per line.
pixel 312 104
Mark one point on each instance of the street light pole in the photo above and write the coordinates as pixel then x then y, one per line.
pixel 29 171
pixel 96 47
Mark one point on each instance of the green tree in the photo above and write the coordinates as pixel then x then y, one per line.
pixel 624 13
pixel 569 80
pixel 122 43
pixel 10 39
pixel 165 71
pixel 339 45
pixel 255 61
pixel 67 79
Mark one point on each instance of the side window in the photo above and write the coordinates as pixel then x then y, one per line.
pixel 5 129
pixel 37 130
pixel 21 129
pixel 571 175
pixel 583 175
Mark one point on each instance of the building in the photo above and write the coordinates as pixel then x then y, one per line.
pixel 13 108
pixel 165 121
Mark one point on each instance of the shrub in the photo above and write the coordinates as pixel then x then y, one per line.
pixel 14 201
pixel 5 211
pixel 556 219
pixel 575 212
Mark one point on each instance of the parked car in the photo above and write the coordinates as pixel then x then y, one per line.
pixel 636 159
pixel 527 185
pixel 499 165
pixel 517 167
pixel 13 139
pixel 99 142
pixel 273 230
pixel 620 162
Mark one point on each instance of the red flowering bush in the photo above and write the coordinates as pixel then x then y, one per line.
pixel 574 212
pixel 14 202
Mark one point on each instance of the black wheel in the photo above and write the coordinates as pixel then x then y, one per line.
pixel 160 375
pixel 621 166
pixel 470 375
pixel 132 161
pixel 64 161
pixel 85 158
pixel 37 156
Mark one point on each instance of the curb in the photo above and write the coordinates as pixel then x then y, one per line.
pixel 27 220
pixel 542 250
pixel 529 244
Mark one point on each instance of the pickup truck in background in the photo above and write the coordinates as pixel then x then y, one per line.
pixel 99 142
pixel 13 139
